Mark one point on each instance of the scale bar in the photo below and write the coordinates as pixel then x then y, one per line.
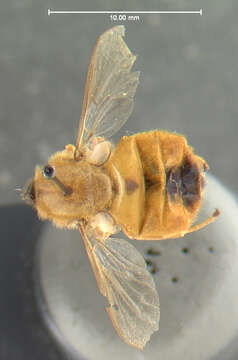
pixel 125 12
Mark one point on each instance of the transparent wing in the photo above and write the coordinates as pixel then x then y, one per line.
pixel 123 278
pixel 110 87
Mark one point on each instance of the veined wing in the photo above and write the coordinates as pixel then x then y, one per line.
pixel 123 278
pixel 110 87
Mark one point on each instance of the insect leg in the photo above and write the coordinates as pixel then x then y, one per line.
pixel 205 222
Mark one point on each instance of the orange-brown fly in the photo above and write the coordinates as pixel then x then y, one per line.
pixel 150 186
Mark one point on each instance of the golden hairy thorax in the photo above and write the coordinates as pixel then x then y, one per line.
pixel 90 190
pixel 158 183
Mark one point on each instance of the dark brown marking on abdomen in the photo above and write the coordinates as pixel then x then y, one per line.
pixel 184 182
pixel 131 186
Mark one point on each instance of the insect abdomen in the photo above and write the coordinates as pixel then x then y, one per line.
pixel 173 201
pixel 165 166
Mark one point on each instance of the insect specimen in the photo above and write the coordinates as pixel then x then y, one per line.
pixel 150 186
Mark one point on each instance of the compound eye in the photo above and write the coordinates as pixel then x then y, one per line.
pixel 48 171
